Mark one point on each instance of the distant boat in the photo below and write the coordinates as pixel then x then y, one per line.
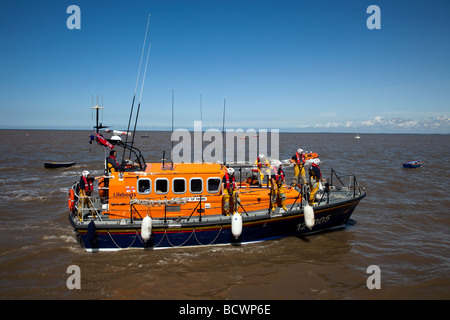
pixel 357 135
pixel 56 164
pixel 412 164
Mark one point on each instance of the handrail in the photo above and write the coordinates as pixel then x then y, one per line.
pixel 352 184
pixel 90 208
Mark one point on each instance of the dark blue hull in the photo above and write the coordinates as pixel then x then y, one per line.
pixel 200 234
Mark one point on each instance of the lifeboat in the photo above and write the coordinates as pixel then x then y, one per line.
pixel 156 205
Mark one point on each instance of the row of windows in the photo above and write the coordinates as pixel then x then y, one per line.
pixel 179 185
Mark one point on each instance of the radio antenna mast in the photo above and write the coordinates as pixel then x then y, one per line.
pixel 140 97
pixel 135 88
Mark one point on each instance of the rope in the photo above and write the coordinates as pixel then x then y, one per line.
pixel 180 245
pixel 120 246
pixel 221 227
pixel 164 202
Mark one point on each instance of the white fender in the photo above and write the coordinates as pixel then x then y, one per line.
pixel 308 213
pixel 236 225
pixel 146 228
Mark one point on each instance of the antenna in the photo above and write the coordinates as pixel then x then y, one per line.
pixel 135 88
pixel 201 115
pixel 201 121
pixel 223 124
pixel 140 97
pixel 172 113
pixel 97 108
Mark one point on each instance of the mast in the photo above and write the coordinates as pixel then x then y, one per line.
pixel 201 111
pixel 223 124
pixel 140 97
pixel 223 121
pixel 97 108
pixel 172 113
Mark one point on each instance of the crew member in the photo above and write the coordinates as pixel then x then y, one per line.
pixel 314 178
pixel 86 183
pixel 229 190
pixel 263 167
pixel 277 182
pixel 299 167
pixel 252 179
pixel 112 164
pixel 86 189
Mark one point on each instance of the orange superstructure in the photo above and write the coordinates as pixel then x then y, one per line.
pixel 181 190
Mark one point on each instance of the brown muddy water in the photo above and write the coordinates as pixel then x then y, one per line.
pixel 402 226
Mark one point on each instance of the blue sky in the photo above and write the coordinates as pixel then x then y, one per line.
pixel 291 65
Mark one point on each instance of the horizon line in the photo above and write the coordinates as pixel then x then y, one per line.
pixel 287 130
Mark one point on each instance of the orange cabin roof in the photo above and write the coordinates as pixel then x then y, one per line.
pixel 185 168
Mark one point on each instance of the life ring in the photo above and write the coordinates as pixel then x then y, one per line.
pixel 71 199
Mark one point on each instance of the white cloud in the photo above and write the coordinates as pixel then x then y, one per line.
pixel 328 125
pixel 440 124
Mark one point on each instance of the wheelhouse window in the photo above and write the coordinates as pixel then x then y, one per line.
pixel 144 186
pixel 179 185
pixel 196 185
pixel 161 185
pixel 213 185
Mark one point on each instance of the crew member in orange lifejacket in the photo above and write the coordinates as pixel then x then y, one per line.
pixel 277 187
pixel 263 168
pixel 86 183
pixel 86 189
pixel 299 167
pixel 315 176
pixel 230 190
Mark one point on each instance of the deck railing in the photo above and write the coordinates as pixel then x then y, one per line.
pixel 352 185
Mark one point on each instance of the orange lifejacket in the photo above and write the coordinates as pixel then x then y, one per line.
pixel 88 185
pixel 227 180
pixel 260 164
pixel 311 155
pixel 279 174
pixel 300 158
